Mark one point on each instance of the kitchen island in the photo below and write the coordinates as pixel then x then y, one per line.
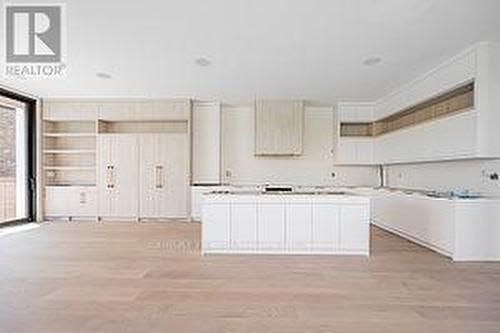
pixel 255 222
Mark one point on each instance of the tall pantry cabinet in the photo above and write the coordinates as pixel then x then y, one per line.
pixel 163 175
pixel 117 175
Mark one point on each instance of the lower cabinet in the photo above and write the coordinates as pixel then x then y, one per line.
pixel 273 225
pixel 326 227
pixel 354 229
pixel 244 226
pixel 299 226
pixel 70 201
pixel 216 227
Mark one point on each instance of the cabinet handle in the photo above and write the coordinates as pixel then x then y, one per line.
pixel 110 176
pixel 159 179
pixel 83 198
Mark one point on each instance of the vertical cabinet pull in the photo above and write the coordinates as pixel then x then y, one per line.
pixel 159 177
pixel 83 198
pixel 110 176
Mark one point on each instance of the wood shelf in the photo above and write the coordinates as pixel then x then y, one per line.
pixel 458 100
pixel 69 151
pixel 69 135
pixel 69 168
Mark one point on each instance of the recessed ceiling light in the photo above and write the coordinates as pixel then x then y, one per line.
pixel 203 61
pixel 372 61
pixel 105 76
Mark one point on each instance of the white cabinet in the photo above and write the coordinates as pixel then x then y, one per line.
pixel 285 224
pixel 354 228
pixel 163 175
pixel 299 226
pixel 279 127
pixel 467 135
pixel 206 143
pixel 465 230
pixel 216 227
pixel 70 201
pixel 356 112
pixel 66 111
pixel 326 227
pixel 244 228
pixel 117 173
pixel 197 193
pixel 144 110
pixel 354 151
pixel 271 224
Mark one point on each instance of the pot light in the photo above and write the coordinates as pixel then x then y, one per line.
pixel 104 76
pixel 203 61
pixel 372 61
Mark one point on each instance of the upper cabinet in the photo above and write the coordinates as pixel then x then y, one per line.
pixel 148 110
pixel 206 142
pixel 449 113
pixel 69 110
pixel 279 127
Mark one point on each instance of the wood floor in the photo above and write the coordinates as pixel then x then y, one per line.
pixel 149 277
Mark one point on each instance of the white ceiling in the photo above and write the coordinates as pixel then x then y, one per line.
pixel 310 49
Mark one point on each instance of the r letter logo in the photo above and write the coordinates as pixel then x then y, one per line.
pixel 34 41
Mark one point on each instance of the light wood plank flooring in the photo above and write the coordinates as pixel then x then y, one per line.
pixel 149 277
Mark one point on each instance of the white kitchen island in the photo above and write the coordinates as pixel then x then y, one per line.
pixel 286 223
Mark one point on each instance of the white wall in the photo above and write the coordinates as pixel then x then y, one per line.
pixel 445 176
pixel 314 167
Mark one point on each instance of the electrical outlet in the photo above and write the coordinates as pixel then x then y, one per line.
pixel 333 175
pixel 229 173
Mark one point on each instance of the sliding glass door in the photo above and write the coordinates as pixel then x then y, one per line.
pixel 16 158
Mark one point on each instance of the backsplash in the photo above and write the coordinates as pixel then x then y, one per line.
pixel 475 175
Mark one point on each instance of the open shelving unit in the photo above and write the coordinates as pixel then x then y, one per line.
pixel 69 152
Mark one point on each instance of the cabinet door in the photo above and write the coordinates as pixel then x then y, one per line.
pixel 124 153
pixel 59 201
pixel 298 226
pixel 149 162
pixel 244 226
pixel 271 226
pixel 86 201
pixel 70 111
pixel 117 175
pixel 206 143
pixel 326 227
pixel 119 111
pixel 354 228
pixel 216 226
pixel 104 175
pixel 172 175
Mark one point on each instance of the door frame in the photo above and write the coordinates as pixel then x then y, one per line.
pixel 31 111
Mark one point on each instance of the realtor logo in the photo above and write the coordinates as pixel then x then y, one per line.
pixel 33 34
pixel 34 40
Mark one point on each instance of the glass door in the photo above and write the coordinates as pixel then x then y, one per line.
pixel 16 160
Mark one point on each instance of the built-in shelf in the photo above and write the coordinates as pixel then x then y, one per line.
pixel 63 185
pixel 69 151
pixel 69 135
pixel 457 100
pixel 69 168
pixel 116 127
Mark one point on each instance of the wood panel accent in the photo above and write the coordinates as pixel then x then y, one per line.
pixel 150 277
pixel 458 100
pixel 279 127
